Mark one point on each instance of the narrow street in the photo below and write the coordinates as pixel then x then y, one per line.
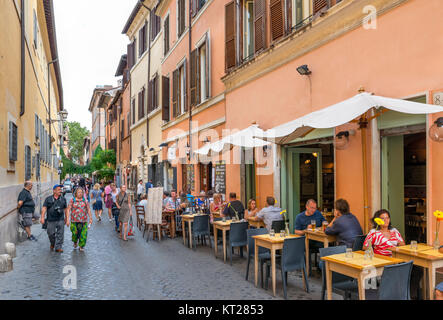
pixel 112 269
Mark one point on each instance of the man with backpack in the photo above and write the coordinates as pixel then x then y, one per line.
pixel 55 213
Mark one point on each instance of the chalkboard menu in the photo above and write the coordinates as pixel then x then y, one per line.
pixel 220 177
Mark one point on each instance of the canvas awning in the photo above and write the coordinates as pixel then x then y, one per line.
pixel 341 113
pixel 247 138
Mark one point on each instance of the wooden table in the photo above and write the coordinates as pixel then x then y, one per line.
pixel 223 226
pixel 426 257
pixel 273 244
pixel 319 236
pixel 356 267
pixel 256 222
pixel 189 218
pixel 171 215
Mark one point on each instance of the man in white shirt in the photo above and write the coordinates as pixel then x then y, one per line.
pixel 140 189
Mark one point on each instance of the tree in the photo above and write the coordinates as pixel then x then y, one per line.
pixel 77 135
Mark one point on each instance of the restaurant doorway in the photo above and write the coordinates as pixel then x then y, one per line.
pixel 310 175
pixel 206 177
pixel 404 183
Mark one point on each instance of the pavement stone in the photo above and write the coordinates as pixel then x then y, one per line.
pixel 111 269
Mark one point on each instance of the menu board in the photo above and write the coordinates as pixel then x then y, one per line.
pixel 220 177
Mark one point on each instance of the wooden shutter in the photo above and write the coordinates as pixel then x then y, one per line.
pixel 150 96
pixel 260 24
pixel 165 98
pixel 193 76
pixel 181 16
pixel 185 85
pixel 175 92
pixel 318 5
pixel 276 11
pixel 166 35
pixel 230 35
pixel 130 55
pixel 289 16
pixel 12 141
pixel 194 8
pixel 156 90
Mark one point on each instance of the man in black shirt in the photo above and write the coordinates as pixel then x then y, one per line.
pixel 26 207
pixel 57 214
pixel 234 206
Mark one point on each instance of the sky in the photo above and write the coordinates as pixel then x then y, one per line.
pixel 90 44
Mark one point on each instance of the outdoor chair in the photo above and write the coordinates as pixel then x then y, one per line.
pixel 238 237
pixel 292 259
pixel 263 253
pixel 219 232
pixel 200 228
pixel 140 216
pixel 278 225
pixel 358 243
pixel 394 284
pixel 341 284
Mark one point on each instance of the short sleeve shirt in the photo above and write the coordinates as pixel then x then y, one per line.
pixel 55 208
pixel 28 203
pixel 96 195
pixel 302 220
pixel 79 210
pixel 380 243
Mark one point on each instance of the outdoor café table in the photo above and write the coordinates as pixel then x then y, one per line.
pixel 317 235
pixel 171 214
pixel 356 267
pixel 273 244
pixel 256 222
pixel 426 257
pixel 223 226
pixel 189 218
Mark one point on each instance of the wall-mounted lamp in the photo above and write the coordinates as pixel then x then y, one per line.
pixel 188 151
pixel 164 144
pixel 436 130
pixel 304 70
pixel 342 139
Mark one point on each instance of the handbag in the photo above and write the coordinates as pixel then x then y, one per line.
pixel 115 210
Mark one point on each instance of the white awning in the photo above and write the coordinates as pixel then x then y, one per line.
pixel 247 138
pixel 342 113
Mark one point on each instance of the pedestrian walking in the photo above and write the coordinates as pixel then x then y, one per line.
pixel 114 192
pixel 26 207
pixel 55 211
pixel 108 201
pixel 97 202
pixel 78 213
pixel 124 205
pixel 140 190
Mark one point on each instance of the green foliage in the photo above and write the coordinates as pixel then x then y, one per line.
pixel 76 137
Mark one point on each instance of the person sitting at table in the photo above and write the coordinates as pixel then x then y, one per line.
pixel 304 219
pixel 166 196
pixel 234 206
pixel 210 196
pixel 143 200
pixel 215 207
pixel 439 291
pixel 252 209
pixel 173 203
pixel 384 236
pixel 344 225
pixel 270 213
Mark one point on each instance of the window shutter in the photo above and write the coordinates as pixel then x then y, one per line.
pixel 260 24
pixel 36 126
pixel 277 19
pixel 194 7
pixel 175 92
pixel 165 98
pixel 166 35
pixel 130 56
pixel 12 141
pixel 155 90
pixel 28 163
pixel 318 5
pixel 139 105
pixel 150 96
pixel 181 17
pixel 230 35
pixel 193 77
pixel 288 16
pixel 128 117
pixel 185 85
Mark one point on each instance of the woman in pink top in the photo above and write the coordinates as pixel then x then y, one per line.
pixel 383 237
pixel 216 206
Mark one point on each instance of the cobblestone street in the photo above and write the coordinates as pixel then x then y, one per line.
pixel 112 269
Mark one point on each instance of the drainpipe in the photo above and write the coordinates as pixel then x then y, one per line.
pixel 149 73
pixel 23 60
pixel 189 81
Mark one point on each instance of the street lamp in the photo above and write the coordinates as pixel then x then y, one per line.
pixel 304 70
pixel 436 130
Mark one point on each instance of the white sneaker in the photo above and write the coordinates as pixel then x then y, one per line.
pixel 110 220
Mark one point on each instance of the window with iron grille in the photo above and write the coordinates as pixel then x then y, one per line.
pixel 12 141
pixel 28 164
